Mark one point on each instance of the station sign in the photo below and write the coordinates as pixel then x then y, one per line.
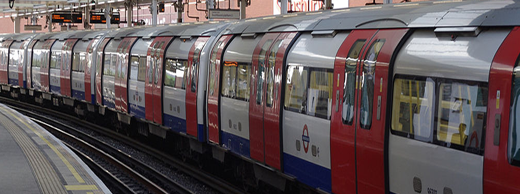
pixel 99 18
pixel 67 17
pixel 224 14
pixel 32 27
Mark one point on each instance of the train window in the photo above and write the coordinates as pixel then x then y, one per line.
pixel 367 88
pixel 349 90
pixel 55 60
pixel 261 71
pixel 175 72
pixel 141 75
pixel 412 110
pixel 76 62
pixel 36 60
pixel 319 94
pixel 461 115
pixel 296 89
pixel 213 66
pixel 243 82
pixel 270 72
pixel 229 72
pixel 514 126
pixel 82 62
pixel 134 67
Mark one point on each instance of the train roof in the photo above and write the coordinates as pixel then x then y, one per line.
pixel 451 13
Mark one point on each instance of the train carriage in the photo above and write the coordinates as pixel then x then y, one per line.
pixel 18 60
pixel 83 66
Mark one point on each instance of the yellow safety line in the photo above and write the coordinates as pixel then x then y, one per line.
pixel 71 168
pixel 80 187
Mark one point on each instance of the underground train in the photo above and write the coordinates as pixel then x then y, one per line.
pixel 417 97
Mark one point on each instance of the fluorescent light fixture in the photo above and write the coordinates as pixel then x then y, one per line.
pixel 84 5
pixel 75 7
pixel 14 15
pixel 120 0
pixel 72 1
pixel 1 17
pixel 67 8
pixel 9 10
pixel 111 1
pixel 21 14
pixel 44 11
pixel 39 6
pixel 59 9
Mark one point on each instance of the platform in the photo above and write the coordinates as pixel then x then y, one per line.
pixel 34 161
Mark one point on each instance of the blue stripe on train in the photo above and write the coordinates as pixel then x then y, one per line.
pixel 13 82
pixel 93 98
pixel 200 133
pixel 109 102
pixel 309 173
pixel 137 111
pixel 175 123
pixel 55 89
pixel 236 144
pixel 80 95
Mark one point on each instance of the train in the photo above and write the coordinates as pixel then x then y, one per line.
pixel 418 97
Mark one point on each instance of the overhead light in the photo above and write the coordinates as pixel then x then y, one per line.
pixel 75 7
pixel 9 10
pixel 39 6
pixel 84 5
pixel 67 8
pixel 111 1
pixel 59 9
pixel 72 1
pixel 1 17
pixel 44 11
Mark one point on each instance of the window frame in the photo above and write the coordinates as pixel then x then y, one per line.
pixel 433 133
pixel 235 81
pixel 307 87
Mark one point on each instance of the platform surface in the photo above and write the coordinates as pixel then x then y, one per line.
pixel 34 161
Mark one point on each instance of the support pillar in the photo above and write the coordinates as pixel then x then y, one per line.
pixel 283 8
pixel 34 18
pixel 154 12
pixel 49 15
pixel 243 9
pixel 86 19
pixel 180 10
pixel 107 15
pixel 328 4
pixel 16 24
pixel 129 14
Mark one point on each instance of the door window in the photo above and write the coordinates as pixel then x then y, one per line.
pixel 261 72
pixel 514 126
pixel 367 84
pixel 349 86
pixel 271 72
pixel 213 66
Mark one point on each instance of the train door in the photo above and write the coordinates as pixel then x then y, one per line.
pixel 357 131
pixel 66 69
pixel 121 77
pixel 502 152
pixel 99 70
pixel 30 63
pixel 4 64
pixel 192 127
pixel 45 67
pixel 214 88
pixel 153 81
pixel 264 104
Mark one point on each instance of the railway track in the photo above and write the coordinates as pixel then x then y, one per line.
pixel 132 176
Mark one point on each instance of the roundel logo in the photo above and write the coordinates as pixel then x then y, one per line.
pixel 305 138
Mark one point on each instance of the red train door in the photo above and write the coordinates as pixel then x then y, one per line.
pixel 153 81
pixel 357 123
pixel 192 127
pixel 502 152
pixel 29 66
pixel 256 101
pixel 86 69
pixel 4 64
pixel 214 88
pixel 99 70
pixel 264 106
pixel 121 77
pixel 44 69
pixel 65 80
pixel 157 89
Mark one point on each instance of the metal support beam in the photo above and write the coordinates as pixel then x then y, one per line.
pixel 107 15
pixel 154 12
pixel 242 9
pixel 86 19
pixel 129 14
pixel 34 19
pixel 50 22
pixel 16 24
pixel 283 8
pixel 328 4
